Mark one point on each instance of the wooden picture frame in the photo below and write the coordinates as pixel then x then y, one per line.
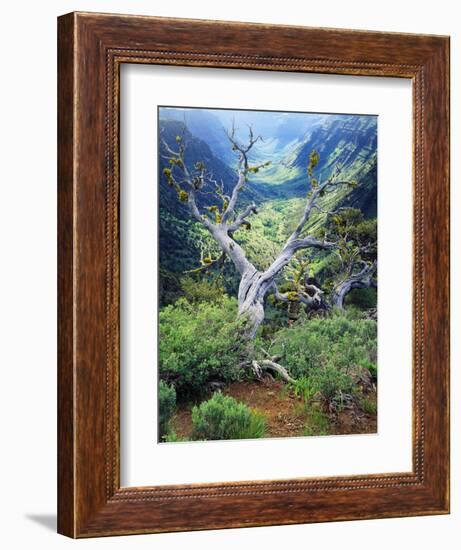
pixel 92 48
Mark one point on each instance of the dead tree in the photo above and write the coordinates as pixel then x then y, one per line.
pixel 225 220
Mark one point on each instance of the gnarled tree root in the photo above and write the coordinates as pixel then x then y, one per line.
pixel 269 364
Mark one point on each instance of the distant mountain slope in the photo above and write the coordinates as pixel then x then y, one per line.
pixel 280 191
pixel 197 149
pixel 204 125
pixel 180 237
pixel 348 142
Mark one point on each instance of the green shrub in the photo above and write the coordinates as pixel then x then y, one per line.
pixel 363 298
pixel 166 406
pixel 199 343
pixel 172 437
pixel 371 366
pixel 318 423
pixel 339 341
pixel 319 352
pixel 369 406
pixel 202 290
pixel 304 388
pixel 222 417
pixel 330 384
pixel 333 384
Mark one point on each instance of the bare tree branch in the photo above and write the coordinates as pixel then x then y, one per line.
pixel 234 196
pixel 300 296
pixel 243 168
pixel 241 218
pixel 207 263
pixel 267 364
pixel 311 203
pixel 363 279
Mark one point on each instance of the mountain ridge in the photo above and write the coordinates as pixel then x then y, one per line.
pixel 280 190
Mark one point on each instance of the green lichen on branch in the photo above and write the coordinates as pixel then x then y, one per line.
pixel 183 196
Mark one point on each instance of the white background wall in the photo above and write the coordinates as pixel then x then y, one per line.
pixel 28 271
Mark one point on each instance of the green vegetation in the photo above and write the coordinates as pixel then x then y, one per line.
pixel 369 406
pixel 222 417
pixel 199 344
pixel 338 341
pixel 329 348
pixel 172 437
pixel 318 422
pixel 320 352
pixel 371 366
pixel 166 406
pixel 198 290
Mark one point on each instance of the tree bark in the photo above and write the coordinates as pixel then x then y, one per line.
pixel 251 295
pixel 363 279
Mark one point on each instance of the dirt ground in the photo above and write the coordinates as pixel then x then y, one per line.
pixel 286 415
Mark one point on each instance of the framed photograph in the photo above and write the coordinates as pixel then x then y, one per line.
pixel 253 275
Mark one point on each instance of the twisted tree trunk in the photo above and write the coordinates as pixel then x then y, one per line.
pixel 251 301
pixel 254 284
pixel 363 279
